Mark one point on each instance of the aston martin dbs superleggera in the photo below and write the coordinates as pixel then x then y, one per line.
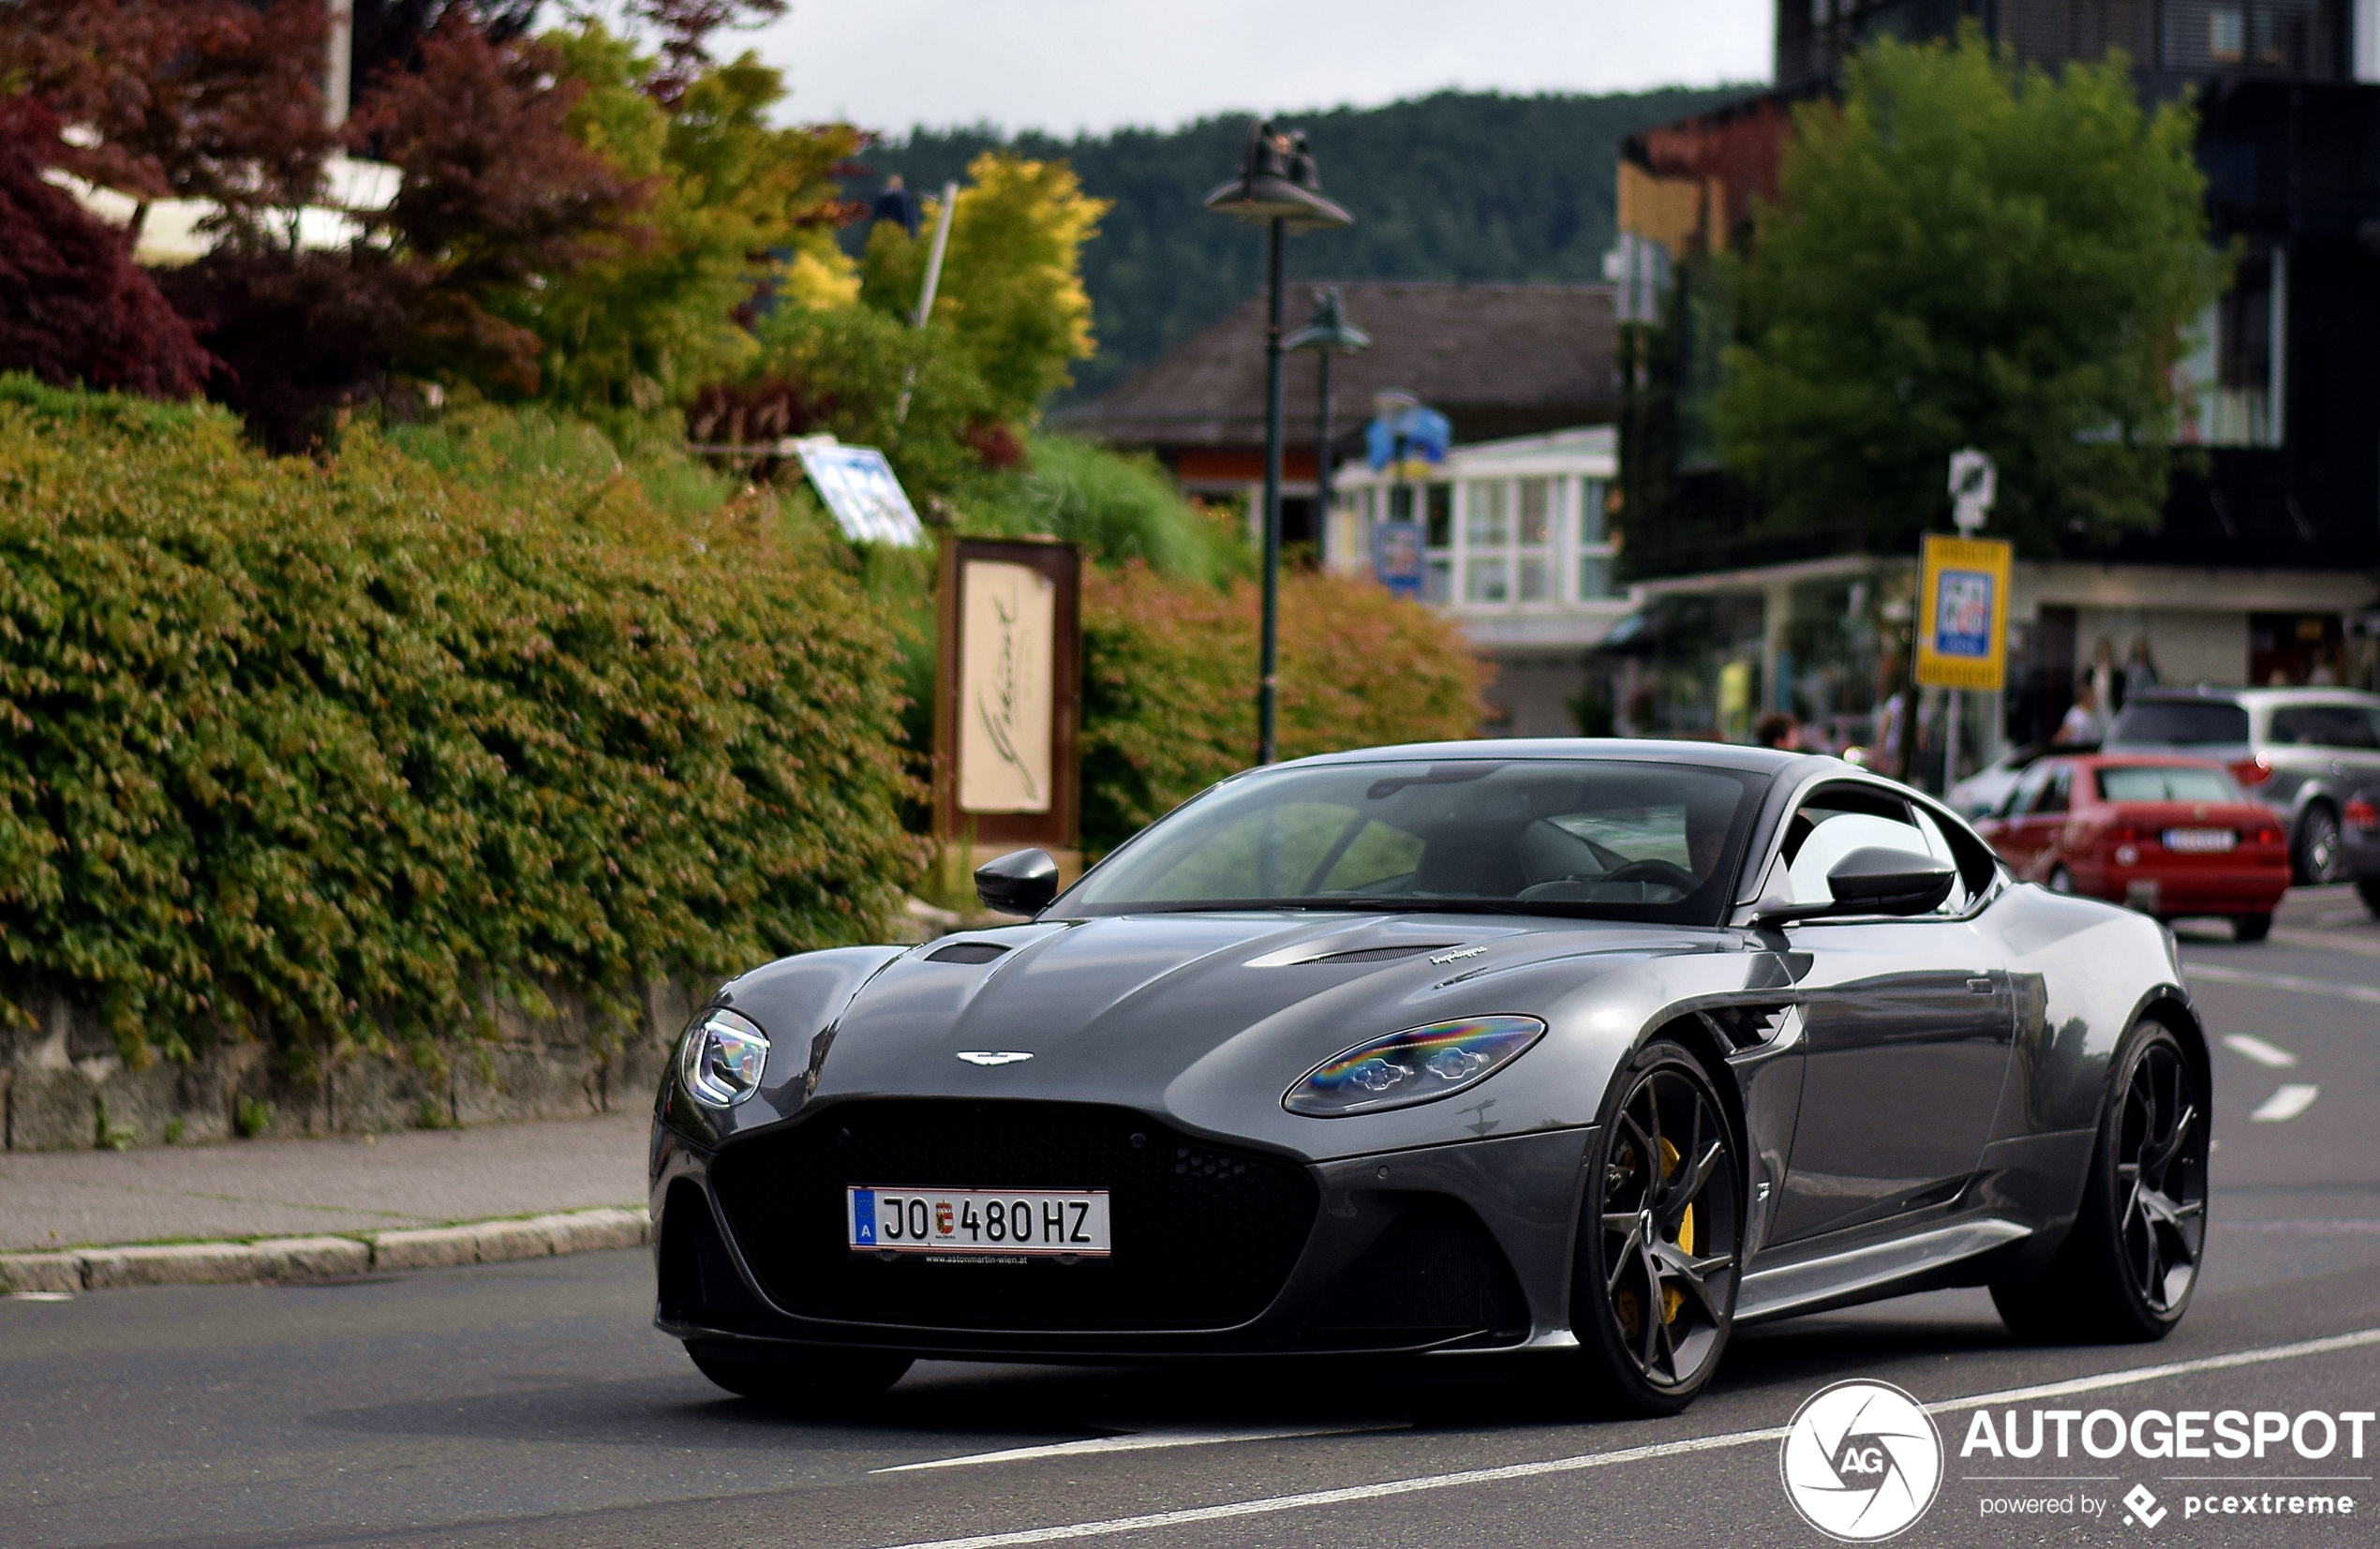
pixel 1580 1051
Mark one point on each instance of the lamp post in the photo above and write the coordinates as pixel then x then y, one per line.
pixel 1327 333
pixel 1279 189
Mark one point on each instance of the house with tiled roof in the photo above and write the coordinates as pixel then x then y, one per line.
pixel 1528 377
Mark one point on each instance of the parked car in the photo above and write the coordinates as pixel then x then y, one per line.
pixel 1980 794
pixel 1582 1052
pixel 2359 834
pixel 2300 752
pixel 2165 836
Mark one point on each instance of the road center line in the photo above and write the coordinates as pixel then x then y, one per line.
pixel 2286 1103
pixel 2271 1056
pixel 1387 1488
pixel 2290 982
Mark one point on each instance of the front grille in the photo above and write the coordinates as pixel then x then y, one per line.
pixel 1204 1235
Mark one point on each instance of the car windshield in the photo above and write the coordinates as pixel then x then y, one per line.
pixel 1606 838
pixel 2171 723
pixel 2165 783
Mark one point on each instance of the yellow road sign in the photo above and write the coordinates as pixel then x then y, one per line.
pixel 1962 599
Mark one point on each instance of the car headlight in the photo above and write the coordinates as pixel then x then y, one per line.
pixel 1412 1067
pixel 722 1057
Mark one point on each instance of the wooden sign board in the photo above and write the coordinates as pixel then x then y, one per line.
pixel 1008 695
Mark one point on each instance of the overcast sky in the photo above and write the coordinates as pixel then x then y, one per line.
pixel 1067 66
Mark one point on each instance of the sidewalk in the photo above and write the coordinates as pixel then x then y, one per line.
pixel 51 1200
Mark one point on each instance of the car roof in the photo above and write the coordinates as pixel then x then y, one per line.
pixel 2204 693
pixel 2101 760
pixel 1718 755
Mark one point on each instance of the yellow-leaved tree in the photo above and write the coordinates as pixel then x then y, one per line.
pixel 1011 289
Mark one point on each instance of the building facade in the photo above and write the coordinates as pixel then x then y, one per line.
pixel 2263 568
pixel 1517 546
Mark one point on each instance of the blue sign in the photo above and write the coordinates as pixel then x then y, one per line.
pixel 1396 556
pixel 859 487
pixel 1962 614
pixel 1410 435
pixel 863 1217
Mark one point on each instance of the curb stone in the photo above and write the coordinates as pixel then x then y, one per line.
pixel 297 1259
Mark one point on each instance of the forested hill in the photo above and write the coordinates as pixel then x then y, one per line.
pixel 1458 185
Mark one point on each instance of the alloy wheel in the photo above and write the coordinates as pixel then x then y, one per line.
pixel 2318 846
pixel 1671 1227
pixel 2161 1178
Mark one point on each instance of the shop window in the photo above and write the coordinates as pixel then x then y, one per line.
pixel 1595 548
pixel 2235 378
pixel 1533 535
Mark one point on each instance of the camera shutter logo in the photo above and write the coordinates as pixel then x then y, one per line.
pixel 1861 1461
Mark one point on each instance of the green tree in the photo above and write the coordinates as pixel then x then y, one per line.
pixel 653 317
pixel 1970 252
pixel 1011 287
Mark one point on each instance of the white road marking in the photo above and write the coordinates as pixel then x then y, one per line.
pixel 2286 1104
pixel 2258 1050
pixel 1267 1504
pixel 41 1296
pixel 2327 941
pixel 2291 982
pixel 1137 1441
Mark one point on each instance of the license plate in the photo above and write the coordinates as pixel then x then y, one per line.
pixel 2200 841
pixel 1015 1223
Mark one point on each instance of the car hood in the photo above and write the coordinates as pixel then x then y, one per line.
pixel 1210 1017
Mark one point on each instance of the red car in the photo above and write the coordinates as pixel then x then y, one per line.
pixel 2166 836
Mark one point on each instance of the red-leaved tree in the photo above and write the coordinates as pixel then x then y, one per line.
pixel 74 308
pixel 206 99
pixel 496 191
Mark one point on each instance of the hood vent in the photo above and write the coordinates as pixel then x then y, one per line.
pixel 967 951
pixel 1384 954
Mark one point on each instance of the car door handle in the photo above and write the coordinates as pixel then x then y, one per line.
pixel 1980 987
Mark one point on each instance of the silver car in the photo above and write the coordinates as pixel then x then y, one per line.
pixel 2303 752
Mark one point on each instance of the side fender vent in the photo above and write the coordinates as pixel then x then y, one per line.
pixel 1749 1026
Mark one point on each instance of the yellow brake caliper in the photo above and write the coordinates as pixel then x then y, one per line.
pixel 1672 1298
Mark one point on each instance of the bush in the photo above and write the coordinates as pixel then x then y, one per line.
pixel 1123 508
pixel 336 754
pixel 1170 678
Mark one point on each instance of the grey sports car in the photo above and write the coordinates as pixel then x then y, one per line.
pixel 1578 1052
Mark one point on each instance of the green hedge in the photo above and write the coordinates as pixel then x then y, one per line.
pixel 1169 670
pixel 339 754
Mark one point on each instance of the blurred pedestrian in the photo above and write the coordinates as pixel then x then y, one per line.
pixel 2082 727
pixel 1779 730
pixel 2141 671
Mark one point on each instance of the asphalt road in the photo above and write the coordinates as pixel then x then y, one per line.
pixel 531 1405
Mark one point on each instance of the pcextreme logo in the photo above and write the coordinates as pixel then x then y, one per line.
pixel 1861 1461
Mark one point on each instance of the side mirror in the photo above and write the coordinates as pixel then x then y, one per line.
pixel 1875 880
pixel 1890 882
pixel 1020 883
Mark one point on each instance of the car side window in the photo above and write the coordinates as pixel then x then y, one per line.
pixel 1938 844
pixel 2056 794
pixel 1830 825
pixel 2026 791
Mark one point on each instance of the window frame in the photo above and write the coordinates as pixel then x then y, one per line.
pixel 1981 871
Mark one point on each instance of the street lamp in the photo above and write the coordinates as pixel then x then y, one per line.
pixel 1327 333
pixel 1279 189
